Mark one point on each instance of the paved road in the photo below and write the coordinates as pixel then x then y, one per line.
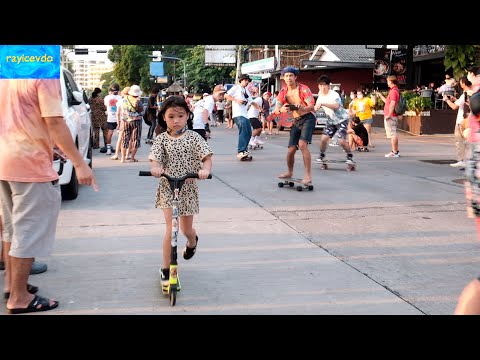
pixel 389 238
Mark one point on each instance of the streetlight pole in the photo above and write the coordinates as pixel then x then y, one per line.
pixel 184 72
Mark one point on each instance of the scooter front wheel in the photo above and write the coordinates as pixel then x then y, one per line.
pixel 173 296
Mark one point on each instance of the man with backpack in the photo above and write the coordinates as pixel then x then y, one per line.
pixel 390 114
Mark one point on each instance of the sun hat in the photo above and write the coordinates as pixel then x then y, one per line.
pixel 135 90
pixel 244 76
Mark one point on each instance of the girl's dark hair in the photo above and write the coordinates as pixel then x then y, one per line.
pixel 175 101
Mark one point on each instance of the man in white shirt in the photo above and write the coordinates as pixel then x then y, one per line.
pixel 241 98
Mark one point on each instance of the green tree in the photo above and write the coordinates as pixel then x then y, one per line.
pixel 459 57
pixel 201 77
pixel 132 65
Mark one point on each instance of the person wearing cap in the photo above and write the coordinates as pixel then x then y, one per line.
pixel 469 299
pixel 121 127
pixel 297 99
pixel 110 102
pixel 210 100
pixel 132 113
pixel 241 98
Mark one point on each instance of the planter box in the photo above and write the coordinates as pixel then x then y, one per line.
pixel 441 121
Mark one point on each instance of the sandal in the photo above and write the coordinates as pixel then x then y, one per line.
pixel 32 289
pixel 37 304
pixel 189 252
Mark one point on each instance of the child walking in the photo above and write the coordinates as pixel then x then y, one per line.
pixel 177 152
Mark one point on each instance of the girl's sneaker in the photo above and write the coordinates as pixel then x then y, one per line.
pixel 164 279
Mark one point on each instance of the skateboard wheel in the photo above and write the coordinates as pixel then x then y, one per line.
pixel 324 167
pixel 291 184
pixel 310 187
pixel 299 188
pixel 280 184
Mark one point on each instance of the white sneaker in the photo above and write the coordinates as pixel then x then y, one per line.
pixel 391 154
pixel 259 142
pixel 109 151
pixel 243 154
pixel 458 164
pixel 350 161
pixel 252 143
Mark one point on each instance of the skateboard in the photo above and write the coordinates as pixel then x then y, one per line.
pixel 324 164
pixel 256 147
pixel 291 183
pixel 362 149
pixel 246 158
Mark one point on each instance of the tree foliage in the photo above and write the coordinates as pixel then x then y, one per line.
pixel 203 78
pixel 132 65
pixel 459 57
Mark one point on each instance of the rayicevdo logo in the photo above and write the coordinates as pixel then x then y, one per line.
pixel 29 61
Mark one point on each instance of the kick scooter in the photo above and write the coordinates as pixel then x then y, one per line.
pixel 175 184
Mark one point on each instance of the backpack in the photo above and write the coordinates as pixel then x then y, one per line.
pixel 146 119
pixel 401 106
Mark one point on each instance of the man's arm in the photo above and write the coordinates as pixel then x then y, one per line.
pixel 61 136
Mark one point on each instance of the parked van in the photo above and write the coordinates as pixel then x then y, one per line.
pixel 76 113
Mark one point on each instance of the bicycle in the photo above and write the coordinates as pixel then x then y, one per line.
pixel 175 184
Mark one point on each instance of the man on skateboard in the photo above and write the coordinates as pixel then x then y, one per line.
pixel 297 99
pixel 241 98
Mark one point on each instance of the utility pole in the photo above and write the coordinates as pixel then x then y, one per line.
pixel 239 58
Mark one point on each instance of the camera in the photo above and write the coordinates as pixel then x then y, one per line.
pixel 292 107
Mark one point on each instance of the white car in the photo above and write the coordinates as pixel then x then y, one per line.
pixel 77 116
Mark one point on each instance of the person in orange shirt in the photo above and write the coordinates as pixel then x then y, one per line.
pixel 32 124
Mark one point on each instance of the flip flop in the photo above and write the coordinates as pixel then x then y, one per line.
pixel 284 176
pixel 32 289
pixel 37 304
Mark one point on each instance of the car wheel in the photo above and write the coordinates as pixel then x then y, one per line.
pixel 70 190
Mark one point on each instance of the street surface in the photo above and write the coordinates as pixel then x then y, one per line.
pixel 391 237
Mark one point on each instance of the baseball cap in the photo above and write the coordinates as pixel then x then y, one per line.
pixel 290 69
pixel 205 94
pixel 219 88
pixel 114 87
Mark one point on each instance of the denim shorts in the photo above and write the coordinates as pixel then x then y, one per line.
pixel 302 129
pixel 367 121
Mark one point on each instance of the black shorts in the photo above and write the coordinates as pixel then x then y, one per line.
pixel 256 124
pixel 111 125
